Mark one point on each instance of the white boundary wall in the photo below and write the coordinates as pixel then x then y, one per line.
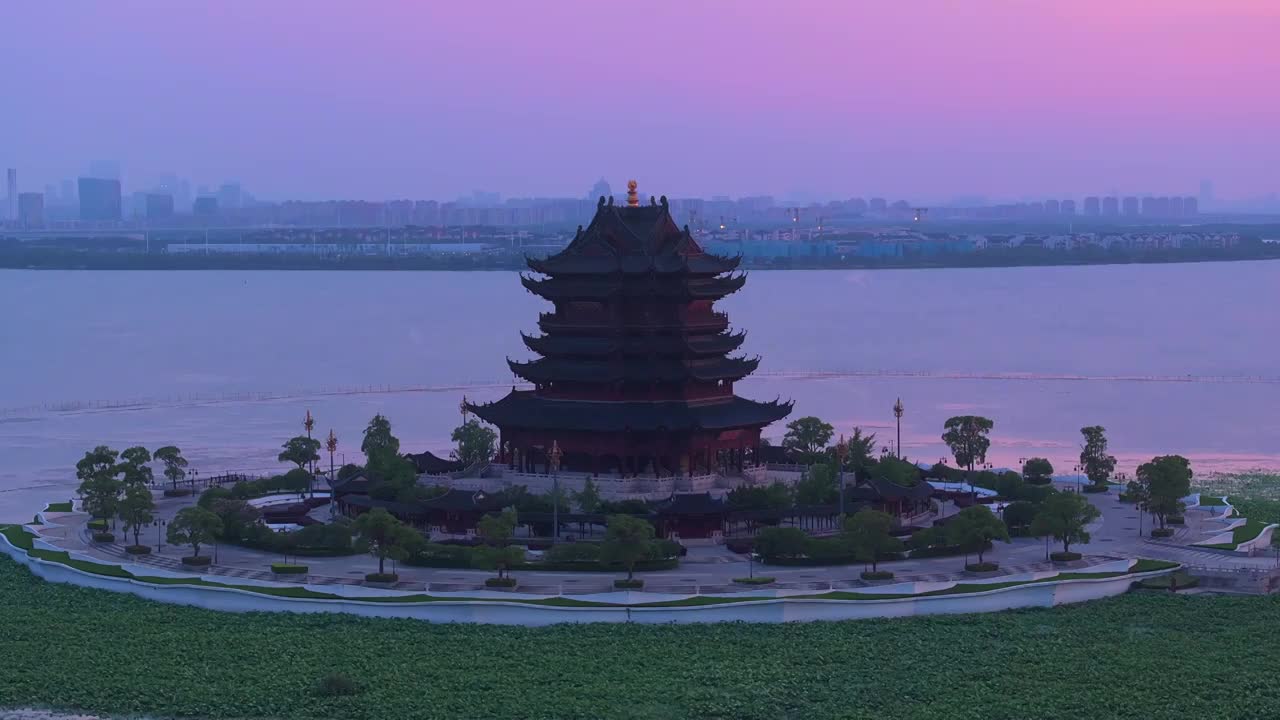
pixel 764 609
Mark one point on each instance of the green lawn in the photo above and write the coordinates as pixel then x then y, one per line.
pixel 1207 501
pixel 77 648
pixel 1246 532
pixel 58 507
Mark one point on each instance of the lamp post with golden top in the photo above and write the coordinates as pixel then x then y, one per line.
pixel 897 413
pixel 555 490
pixel 309 422
pixel 842 452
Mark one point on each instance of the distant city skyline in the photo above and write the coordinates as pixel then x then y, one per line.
pixel 926 100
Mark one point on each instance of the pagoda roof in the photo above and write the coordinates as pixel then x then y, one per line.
pixel 526 409
pixel 428 463
pixel 602 287
pixel 692 504
pixel 648 369
pixel 633 240
pixel 715 344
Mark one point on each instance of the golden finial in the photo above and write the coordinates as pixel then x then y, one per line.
pixel 633 198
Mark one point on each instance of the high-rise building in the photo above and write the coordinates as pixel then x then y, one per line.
pixel 1149 206
pixel 1206 193
pixel 1110 206
pixel 1092 207
pixel 159 206
pixel 229 195
pixel 1160 207
pixel 205 206
pixel 600 190
pixel 99 199
pixel 31 210
pixel 1175 206
pixel 68 194
pixel 1068 207
pixel 1052 207
pixel 11 194
pixel 1190 206
pixel 1129 206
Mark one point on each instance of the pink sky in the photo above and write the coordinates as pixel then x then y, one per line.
pixel 922 99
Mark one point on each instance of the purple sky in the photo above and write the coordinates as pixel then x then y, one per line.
pixel 923 99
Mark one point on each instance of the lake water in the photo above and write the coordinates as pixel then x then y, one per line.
pixel 1171 359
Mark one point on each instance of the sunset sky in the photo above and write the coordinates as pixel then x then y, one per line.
pixel 920 99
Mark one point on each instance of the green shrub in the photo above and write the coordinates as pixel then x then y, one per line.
pixel 758 580
pixel 138 550
pixel 336 685
pixel 381 577
pixel 1176 580
pixel 1065 556
pixel 1162 532
pixel 624 584
pixel 1176 520
pixel 97 525
pixel 502 582
pixel 445 556
pixel 776 543
pixel 878 575
pixel 982 567
pixel 1091 488
pixel 176 492
pixel 288 569
pixel 197 560
pixel 574 552
pixel 104 537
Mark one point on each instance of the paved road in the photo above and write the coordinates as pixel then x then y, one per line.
pixel 709 568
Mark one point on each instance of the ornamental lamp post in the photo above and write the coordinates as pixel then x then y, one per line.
pixel 332 446
pixel 897 414
pixel 555 490
pixel 1077 470
pixel 159 526
pixel 462 406
pixel 842 452
pixel 307 423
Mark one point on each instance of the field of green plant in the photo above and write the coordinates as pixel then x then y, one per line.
pixel 1129 657
pixel 1255 495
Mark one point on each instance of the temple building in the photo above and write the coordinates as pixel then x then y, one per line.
pixel 635 372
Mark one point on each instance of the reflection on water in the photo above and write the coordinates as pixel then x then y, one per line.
pixel 207 349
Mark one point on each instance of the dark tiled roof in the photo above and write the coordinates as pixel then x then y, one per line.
pixel 633 369
pixel 399 509
pixel 456 499
pixel 524 409
pixel 714 344
pixel 431 464
pixel 692 504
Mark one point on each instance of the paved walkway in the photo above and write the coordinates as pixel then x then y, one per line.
pixel 707 569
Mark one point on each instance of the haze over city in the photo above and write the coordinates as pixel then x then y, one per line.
pixel 926 100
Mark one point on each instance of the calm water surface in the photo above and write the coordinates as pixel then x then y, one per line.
pixel 1060 347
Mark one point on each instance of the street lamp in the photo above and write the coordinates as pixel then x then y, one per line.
pixel 555 490
pixel 1077 471
pixel 842 452
pixel 159 526
pixel 332 446
pixel 195 478
pixel 309 422
pixel 897 414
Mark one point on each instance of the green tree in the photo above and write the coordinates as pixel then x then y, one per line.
pixel 807 437
pixel 137 509
pixel 238 517
pixel 194 526
pixel 99 489
pixel 627 540
pixel 1065 516
pixel 174 464
pixel 378 438
pixel 774 543
pixel 775 496
pixel 496 532
pixel 1167 479
pixel 588 499
pixel 966 435
pixel 475 443
pixel 818 487
pixel 866 533
pixel 382 535
pixel 1020 514
pixel 300 451
pixel 898 472
pixel 975 526
pixel 134 467
pixel 860 452
pixel 1038 471
pixel 1097 464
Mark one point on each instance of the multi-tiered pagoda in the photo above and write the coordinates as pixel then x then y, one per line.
pixel 635 374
